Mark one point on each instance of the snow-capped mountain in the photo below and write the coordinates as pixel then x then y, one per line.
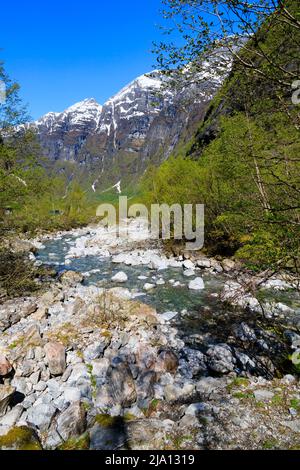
pixel 140 124
pixel 82 114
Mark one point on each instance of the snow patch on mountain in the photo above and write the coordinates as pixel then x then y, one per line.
pixel 145 118
pixel 86 111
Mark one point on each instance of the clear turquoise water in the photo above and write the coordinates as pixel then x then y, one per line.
pixel 164 298
pixel 205 313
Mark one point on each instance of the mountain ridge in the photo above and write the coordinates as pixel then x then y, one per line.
pixel 138 126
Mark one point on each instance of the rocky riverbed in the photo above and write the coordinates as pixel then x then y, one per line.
pixel 132 349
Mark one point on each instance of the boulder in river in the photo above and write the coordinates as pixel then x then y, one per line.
pixel 120 277
pixel 148 286
pixel 196 284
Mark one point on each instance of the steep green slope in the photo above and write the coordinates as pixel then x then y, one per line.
pixel 244 161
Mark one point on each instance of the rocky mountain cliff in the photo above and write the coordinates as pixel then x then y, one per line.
pixel 140 125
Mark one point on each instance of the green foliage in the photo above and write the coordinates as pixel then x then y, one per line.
pixel 12 112
pixel 295 404
pixel 243 163
pixel 32 197
pixel 79 443
pixel 17 275
pixel 270 444
pixel 175 181
pixel 247 179
pixel 106 420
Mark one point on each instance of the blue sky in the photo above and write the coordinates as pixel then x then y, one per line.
pixel 65 51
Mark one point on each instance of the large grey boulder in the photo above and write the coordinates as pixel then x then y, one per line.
pixel 121 385
pixel 196 284
pixel 72 422
pixel 176 392
pixel 220 358
pixel 120 277
pixel 56 357
pixel 6 394
pixel 95 350
pixel 41 416
pixel 263 395
pixel 108 434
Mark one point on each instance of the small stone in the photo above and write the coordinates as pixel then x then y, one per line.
pixel 196 284
pixel 263 395
pixel 167 316
pixel 6 393
pixel 21 438
pixel 167 361
pixel 71 278
pixel 53 440
pixel 66 374
pixel 289 379
pixel 203 263
pixel 41 313
pixel 196 408
pixel 32 336
pixel 11 418
pixel 188 273
pixel 35 377
pixel 228 265
pixel 41 416
pixel 209 385
pixel 40 387
pixel 177 392
pixel 39 353
pixel 121 293
pixel 30 355
pixel 45 374
pixel 72 394
pixel 29 401
pixel 29 309
pixel 147 287
pixel 79 372
pixel 188 264
pixel 220 358
pixel 20 384
pixel 5 366
pixel 100 367
pixel 54 388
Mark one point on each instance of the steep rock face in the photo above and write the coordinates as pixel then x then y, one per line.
pixel 63 134
pixel 140 124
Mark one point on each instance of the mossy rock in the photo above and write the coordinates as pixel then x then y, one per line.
pixel 20 438
pixel 80 443
pixel 105 420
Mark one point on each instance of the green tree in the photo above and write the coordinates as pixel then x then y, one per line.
pixel 12 111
